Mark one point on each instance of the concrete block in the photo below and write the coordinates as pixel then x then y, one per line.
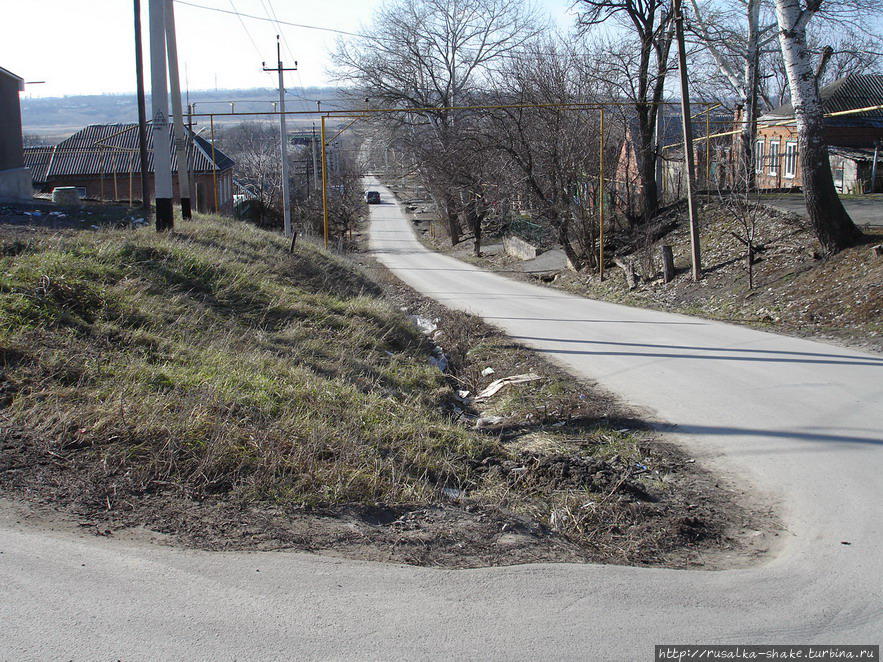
pixel 16 185
pixel 518 247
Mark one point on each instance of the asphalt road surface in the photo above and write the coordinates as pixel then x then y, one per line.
pixel 801 422
pixel 865 210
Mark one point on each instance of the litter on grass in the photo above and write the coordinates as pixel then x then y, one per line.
pixel 497 384
pixel 426 325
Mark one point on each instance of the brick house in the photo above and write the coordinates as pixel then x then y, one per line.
pixel 15 181
pixel 852 136
pixel 103 161
pixel 670 161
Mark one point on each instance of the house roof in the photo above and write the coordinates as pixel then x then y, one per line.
pixel 671 131
pixel 862 154
pixel 9 74
pixel 847 93
pixel 113 148
pixel 37 159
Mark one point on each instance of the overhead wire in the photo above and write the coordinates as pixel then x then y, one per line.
pixel 242 15
pixel 270 10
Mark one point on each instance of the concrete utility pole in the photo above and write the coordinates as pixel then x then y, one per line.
pixel 283 137
pixel 142 111
pixel 162 156
pixel 177 112
pixel 688 142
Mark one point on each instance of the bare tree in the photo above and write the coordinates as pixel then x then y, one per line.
pixel 637 63
pixel 736 33
pixel 832 225
pixel 552 150
pixel 431 55
pixel 35 140
pixel 738 203
pixel 255 147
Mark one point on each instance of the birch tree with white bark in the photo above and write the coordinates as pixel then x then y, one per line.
pixel 830 221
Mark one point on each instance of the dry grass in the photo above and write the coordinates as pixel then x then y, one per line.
pixel 577 460
pixel 212 361
pixel 141 374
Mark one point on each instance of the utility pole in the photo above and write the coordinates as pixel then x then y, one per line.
pixel 283 137
pixel 688 142
pixel 162 156
pixel 314 147
pixel 180 136
pixel 142 111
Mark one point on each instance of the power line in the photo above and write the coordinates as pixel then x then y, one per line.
pixel 242 15
pixel 268 7
pixel 244 27
pixel 272 10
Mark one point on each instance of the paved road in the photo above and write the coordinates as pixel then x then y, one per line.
pixel 866 210
pixel 801 421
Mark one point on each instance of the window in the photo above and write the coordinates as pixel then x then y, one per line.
pixel 774 158
pixel 790 159
pixel 758 156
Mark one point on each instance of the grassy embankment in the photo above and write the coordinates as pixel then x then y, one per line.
pixel 211 364
pixel 214 361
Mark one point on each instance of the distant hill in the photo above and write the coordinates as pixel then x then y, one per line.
pixel 53 118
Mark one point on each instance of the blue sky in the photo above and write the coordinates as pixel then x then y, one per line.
pixel 86 47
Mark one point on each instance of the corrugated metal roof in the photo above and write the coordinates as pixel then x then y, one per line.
pixel 847 93
pixel 109 148
pixel 37 159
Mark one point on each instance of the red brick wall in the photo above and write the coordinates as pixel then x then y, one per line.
pixel 842 136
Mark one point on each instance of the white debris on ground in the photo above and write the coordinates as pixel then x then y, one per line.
pixel 426 325
pixel 498 384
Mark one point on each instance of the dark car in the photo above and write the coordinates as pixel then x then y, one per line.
pixel 372 197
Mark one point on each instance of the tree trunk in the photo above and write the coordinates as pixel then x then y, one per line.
pixel 562 227
pixel 475 222
pixel 647 170
pixel 628 269
pixel 668 264
pixel 750 259
pixel 832 224
pixel 453 221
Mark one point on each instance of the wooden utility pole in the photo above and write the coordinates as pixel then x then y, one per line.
pixel 324 186
pixel 283 137
pixel 601 199
pixel 688 142
pixel 142 111
pixel 159 96
pixel 177 113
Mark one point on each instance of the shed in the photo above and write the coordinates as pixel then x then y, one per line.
pixel 104 162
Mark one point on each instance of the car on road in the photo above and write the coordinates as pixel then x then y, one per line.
pixel 372 197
